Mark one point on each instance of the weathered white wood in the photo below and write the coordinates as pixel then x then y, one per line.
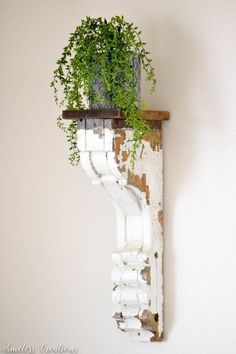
pixel 137 196
pixel 85 159
pixel 81 136
pixel 94 139
pixel 108 139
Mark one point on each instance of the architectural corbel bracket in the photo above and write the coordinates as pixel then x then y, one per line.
pixel 105 144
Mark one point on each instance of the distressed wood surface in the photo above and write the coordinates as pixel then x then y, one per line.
pixel 112 113
pixel 137 195
pixel 107 123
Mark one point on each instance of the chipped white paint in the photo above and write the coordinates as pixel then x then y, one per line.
pixel 151 164
pixel 137 260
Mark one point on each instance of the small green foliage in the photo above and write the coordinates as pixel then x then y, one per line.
pixel 103 50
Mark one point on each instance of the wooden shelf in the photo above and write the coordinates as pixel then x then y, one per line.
pixel 112 113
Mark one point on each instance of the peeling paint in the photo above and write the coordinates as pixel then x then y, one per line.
pixel 150 323
pixel 137 196
pixel 139 182
pixel 149 166
pixel 146 275
pixel 160 217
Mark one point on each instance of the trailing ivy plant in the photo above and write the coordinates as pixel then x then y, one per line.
pixel 103 51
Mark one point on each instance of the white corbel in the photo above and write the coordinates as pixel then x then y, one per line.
pixel 105 149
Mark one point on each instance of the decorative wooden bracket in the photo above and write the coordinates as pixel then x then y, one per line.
pixel 105 144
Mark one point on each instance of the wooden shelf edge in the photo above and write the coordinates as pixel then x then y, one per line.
pixel 111 113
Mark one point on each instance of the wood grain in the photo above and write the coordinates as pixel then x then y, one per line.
pixel 112 114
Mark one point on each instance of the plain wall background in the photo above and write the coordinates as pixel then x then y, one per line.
pixel 57 231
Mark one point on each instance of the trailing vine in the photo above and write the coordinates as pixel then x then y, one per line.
pixel 103 51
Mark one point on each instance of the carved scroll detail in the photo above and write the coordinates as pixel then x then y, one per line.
pixel 137 197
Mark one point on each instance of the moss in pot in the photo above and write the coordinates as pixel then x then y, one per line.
pixel 100 68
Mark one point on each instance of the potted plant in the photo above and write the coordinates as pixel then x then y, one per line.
pixel 99 68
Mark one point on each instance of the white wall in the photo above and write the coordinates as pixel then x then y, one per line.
pixel 57 230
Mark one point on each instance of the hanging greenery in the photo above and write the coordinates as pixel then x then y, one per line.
pixel 105 52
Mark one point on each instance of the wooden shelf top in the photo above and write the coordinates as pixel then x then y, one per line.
pixel 112 113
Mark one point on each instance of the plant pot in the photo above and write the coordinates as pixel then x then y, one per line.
pixel 104 100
